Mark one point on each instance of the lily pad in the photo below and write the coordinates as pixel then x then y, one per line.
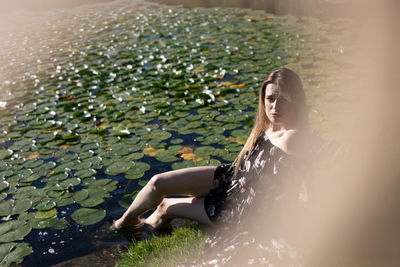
pixel 183 164
pixel 92 201
pixel 176 141
pixel 3 196
pixel 13 207
pixel 71 182
pixel 135 156
pixel 5 153
pixel 159 135
pixel 13 253
pixel 87 216
pixel 166 156
pixel 85 173
pixel 60 224
pixel 134 174
pixel 4 185
pixel 141 166
pixel 45 205
pixel 119 167
pixel 13 230
pixel 65 201
pixel 204 151
pixel 80 195
pixel 45 214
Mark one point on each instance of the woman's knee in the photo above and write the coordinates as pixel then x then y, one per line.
pixel 164 207
pixel 156 183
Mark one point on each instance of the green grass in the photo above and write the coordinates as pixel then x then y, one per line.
pixel 182 245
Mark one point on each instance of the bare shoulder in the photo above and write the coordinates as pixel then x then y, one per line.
pixel 295 143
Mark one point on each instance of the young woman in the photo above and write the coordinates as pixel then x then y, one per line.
pixel 225 194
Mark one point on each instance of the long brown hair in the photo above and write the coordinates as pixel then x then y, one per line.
pixel 289 84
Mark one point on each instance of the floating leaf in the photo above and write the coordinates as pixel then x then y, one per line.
pixel 119 167
pixel 45 214
pixel 13 207
pixel 80 195
pixel 204 151
pixel 5 153
pixel 45 205
pixel 13 230
pixel 176 141
pixel 13 253
pixel 71 182
pixel 60 224
pixel 86 216
pixel 159 135
pixel 85 173
pixel 4 185
pixel 34 155
pixel 166 156
pixel 134 156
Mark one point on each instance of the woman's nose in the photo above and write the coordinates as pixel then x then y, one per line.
pixel 274 103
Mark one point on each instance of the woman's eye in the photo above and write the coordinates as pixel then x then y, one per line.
pixel 271 99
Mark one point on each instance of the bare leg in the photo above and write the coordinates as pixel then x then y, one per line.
pixel 189 208
pixel 195 181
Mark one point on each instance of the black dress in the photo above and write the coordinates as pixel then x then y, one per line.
pixel 250 210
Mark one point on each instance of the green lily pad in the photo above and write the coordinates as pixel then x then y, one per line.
pixel 100 183
pixel 204 151
pixel 176 141
pixel 13 230
pixel 45 205
pixel 33 163
pixel 45 214
pixel 13 253
pixel 119 167
pixel 183 164
pixel 86 216
pixel 71 182
pixel 85 173
pixel 40 223
pixel 60 224
pixel 5 153
pixel 59 177
pixel 86 164
pixel 141 166
pixel 13 207
pixel 92 201
pixel 125 202
pixel 134 174
pixel 159 135
pixel 166 156
pixel 135 156
pixel 80 195
pixel 4 185
pixel 65 201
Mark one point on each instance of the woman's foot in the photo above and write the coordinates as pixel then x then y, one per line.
pixel 132 231
pixel 121 224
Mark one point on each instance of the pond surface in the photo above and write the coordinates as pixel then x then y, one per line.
pixel 97 99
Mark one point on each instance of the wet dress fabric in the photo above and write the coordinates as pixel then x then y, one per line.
pixel 251 211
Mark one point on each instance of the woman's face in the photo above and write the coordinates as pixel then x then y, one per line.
pixel 278 108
